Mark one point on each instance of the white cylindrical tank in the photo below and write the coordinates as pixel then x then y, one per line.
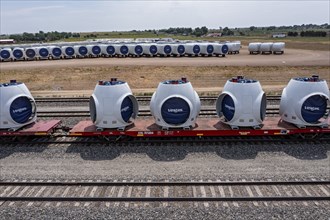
pixel 121 49
pixel 42 53
pixel 30 53
pixel 6 54
pixel 178 49
pixel 304 102
pixel 237 46
pixel 220 49
pixel 18 53
pixel 175 104
pixel 266 48
pixel 135 49
pixel 242 103
pixel 254 47
pixel 94 50
pixel 233 47
pixel 192 49
pixel 55 52
pixel 278 48
pixel 108 50
pixel 17 106
pixel 149 49
pixel 207 49
pixel 80 51
pixel 68 52
pixel 113 105
pixel 164 49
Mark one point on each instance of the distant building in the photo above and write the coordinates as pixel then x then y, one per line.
pixel 214 35
pixel 7 41
pixel 279 35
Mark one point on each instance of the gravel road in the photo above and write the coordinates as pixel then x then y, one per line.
pixel 291 57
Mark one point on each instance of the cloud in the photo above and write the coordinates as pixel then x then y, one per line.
pixel 31 10
pixel 110 15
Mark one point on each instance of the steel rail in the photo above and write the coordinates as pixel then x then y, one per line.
pixel 139 98
pixel 33 198
pixel 165 199
pixel 142 113
pixel 178 183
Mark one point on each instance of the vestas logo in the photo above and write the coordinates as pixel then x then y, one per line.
pixel 175 110
pixel 20 110
pixel 311 108
pixel 229 107
pixel 125 109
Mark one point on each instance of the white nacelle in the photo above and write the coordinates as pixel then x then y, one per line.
pixel 107 49
pixel 113 105
pixel 220 49
pixel 278 47
pixel 68 51
pixel 175 104
pixel 18 53
pixel 192 49
pixel 17 106
pixel 94 50
pixel 135 49
pixel 42 53
pixel 121 49
pixel 178 49
pixel 266 47
pixel 233 47
pixel 254 47
pixel 242 103
pixel 164 49
pixel 30 53
pixel 206 49
pixel 6 54
pixel 237 46
pixel 80 50
pixel 150 49
pixel 304 102
pixel 55 52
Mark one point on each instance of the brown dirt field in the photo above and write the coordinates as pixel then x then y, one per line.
pixel 78 77
pixel 291 57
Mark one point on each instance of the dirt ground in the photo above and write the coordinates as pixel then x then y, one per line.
pixel 77 77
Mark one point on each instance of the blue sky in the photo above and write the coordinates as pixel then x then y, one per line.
pixel 87 16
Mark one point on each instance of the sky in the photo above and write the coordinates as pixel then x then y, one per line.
pixel 123 15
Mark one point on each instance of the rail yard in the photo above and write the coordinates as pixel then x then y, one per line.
pixel 216 176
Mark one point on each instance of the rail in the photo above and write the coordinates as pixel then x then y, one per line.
pixel 136 191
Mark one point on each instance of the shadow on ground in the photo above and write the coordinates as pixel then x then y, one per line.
pixel 170 152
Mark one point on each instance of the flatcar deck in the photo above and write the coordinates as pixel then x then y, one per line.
pixel 39 128
pixel 204 127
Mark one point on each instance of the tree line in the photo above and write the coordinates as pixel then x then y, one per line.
pixel 304 30
pixel 308 34
pixel 198 31
pixel 43 36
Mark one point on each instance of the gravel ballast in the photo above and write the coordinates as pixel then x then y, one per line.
pixel 165 161
pixel 242 212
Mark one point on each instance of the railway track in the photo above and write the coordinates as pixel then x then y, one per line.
pixel 142 113
pixel 272 109
pixel 130 192
pixel 139 99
